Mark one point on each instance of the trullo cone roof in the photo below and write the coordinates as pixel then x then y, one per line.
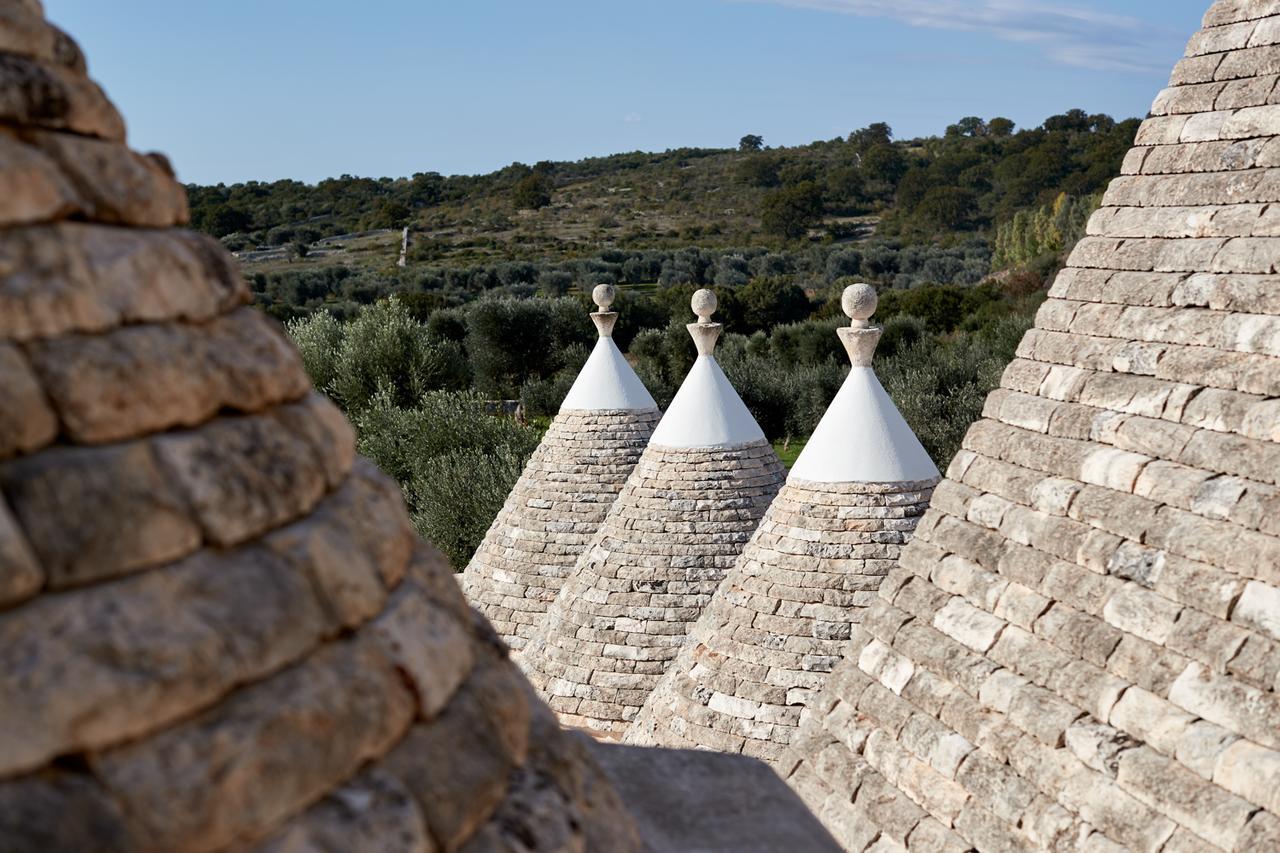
pixel 781 620
pixel 217 628
pixel 681 520
pixel 1081 646
pixel 565 491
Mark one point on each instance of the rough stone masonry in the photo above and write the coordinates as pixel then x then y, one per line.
pixel 682 518
pixel 565 490
pixel 1080 649
pixel 217 628
pixel 782 619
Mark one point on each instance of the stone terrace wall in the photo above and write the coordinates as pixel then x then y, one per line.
pixel 782 618
pixel 674 532
pixel 1081 647
pixel 217 628
pixel 549 518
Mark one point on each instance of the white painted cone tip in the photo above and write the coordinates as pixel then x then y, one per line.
pixel 863 438
pixel 607 383
pixel 706 412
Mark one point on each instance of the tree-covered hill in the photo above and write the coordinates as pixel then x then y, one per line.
pixel 967 182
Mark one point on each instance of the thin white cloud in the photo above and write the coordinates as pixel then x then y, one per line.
pixel 632 118
pixel 1071 35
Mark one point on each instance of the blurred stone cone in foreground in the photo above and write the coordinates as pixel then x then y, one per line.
pixel 217 628
pixel 1080 649
pixel 682 518
pixel 562 496
pixel 781 620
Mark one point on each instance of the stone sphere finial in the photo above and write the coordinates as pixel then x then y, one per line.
pixel 859 302
pixel 704 305
pixel 603 296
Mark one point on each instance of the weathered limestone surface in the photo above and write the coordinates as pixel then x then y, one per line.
pixel 217 627
pixel 700 800
pixel 1080 649
pixel 681 521
pixel 555 509
pixel 782 619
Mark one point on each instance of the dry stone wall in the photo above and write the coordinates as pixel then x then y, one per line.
pixel 1081 647
pixel 217 628
pixel 782 618
pixel 676 529
pixel 549 518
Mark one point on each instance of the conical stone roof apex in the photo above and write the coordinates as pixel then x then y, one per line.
pixel 565 490
pixel 607 382
pixel 679 523
pixel 863 438
pixel 706 411
pixel 782 618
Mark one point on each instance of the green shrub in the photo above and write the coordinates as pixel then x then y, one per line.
pixel 427 447
pixel 458 495
pixel 510 341
pixel 383 349
pixel 940 386
pixel 318 338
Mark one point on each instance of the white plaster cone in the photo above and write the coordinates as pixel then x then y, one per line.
pixel 707 412
pixel 607 383
pixel 863 438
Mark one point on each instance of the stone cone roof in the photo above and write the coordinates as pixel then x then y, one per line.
pixel 1081 646
pixel 681 520
pixel 782 619
pixel 217 628
pixel 566 489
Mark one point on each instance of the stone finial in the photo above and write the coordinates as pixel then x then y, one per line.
pixel 603 296
pixel 859 302
pixel 704 305
pixel 705 333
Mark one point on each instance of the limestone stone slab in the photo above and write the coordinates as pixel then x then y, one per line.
pixel 242 476
pixel 227 619
pixel 27 422
pixel 20 574
pixel 96 512
pixel 482 736
pixel 38 94
pixel 696 800
pixel 76 277
pixel 63 811
pixel 264 754
pixel 140 379
pixel 23 30
pixel 372 812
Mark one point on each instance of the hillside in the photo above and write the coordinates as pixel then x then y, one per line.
pixel 556 225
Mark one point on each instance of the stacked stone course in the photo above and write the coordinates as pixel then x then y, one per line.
pixel 554 510
pixel 217 628
pixel 565 491
pixel 782 619
pixel 1081 647
pixel 681 520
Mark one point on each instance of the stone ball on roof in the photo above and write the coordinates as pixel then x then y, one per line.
pixel 704 305
pixel 859 301
pixel 603 296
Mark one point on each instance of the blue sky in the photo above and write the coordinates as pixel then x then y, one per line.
pixel 238 90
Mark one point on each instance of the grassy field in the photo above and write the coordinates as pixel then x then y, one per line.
pixel 789 451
